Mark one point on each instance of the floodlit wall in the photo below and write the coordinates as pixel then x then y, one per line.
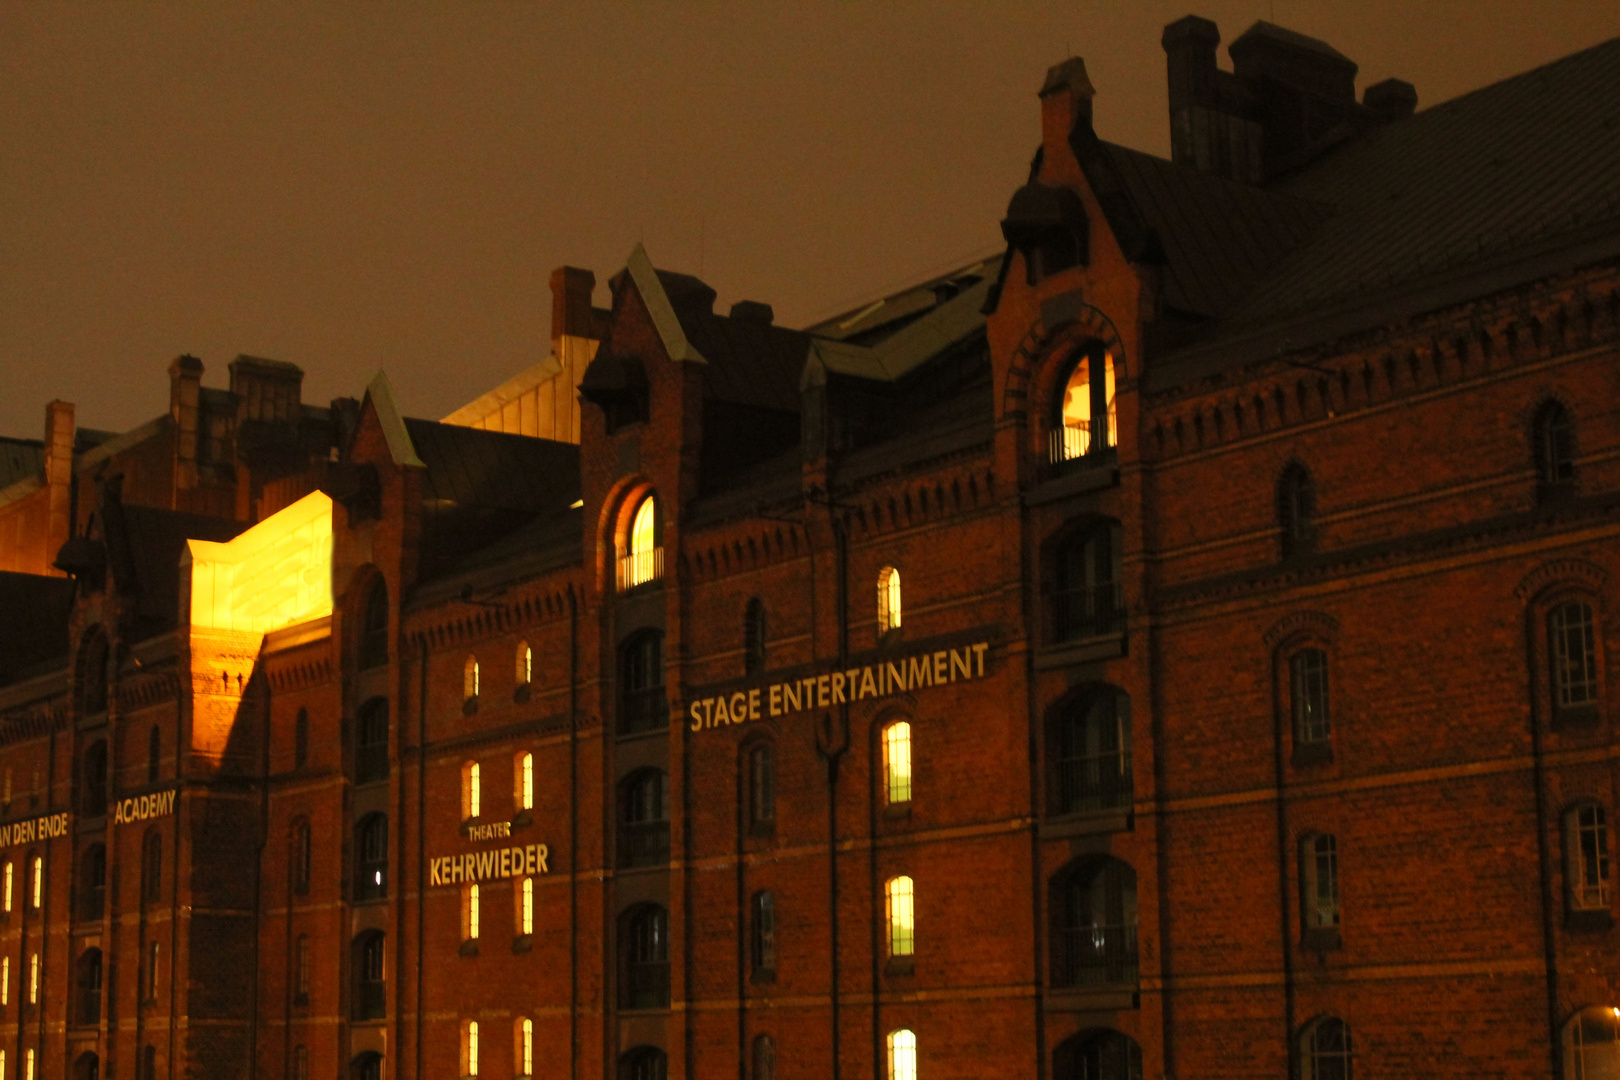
pixel 276 574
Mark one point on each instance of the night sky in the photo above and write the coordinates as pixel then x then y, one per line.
pixel 364 185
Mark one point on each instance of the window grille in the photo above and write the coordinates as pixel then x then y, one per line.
pixel 1325 1050
pixel 642 705
pixel 900 916
pixel 1088 600
pixel 1077 432
pixel 902 1055
pixel 1572 641
pixel 1094 941
pixel 1308 694
pixel 1094 754
pixel 644 562
pixel 647 960
pixel 888 600
pixel 897 762
pixel 371 858
pixel 762 787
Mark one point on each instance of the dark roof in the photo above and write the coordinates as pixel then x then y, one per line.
pixel 20 459
pixel 34 633
pixel 750 362
pixel 144 545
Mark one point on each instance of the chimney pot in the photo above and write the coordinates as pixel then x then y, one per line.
pixel 753 311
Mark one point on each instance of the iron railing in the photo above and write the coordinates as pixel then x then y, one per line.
pixel 1095 782
pixel 640 568
pixel 370 763
pixel 646 984
pixel 1073 440
pixel 1101 955
pixel 644 843
pixel 643 710
pixel 1089 611
pixel 370 1000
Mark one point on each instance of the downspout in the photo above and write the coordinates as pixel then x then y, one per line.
pixel 44 889
pixel 421 837
pixel 1549 939
pixel 1283 885
pixel 837 743
pixel 573 835
pixel 258 876
pixel 399 894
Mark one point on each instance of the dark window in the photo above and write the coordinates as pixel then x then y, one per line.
pixel 1094 941
pixel 1555 445
pixel 1056 250
pixel 93 674
pixel 301 857
pixel 374 631
pixel 1094 753
pixel 754 637
pixel 371 857
pixel 1572 647
pixel 1296 506
pixel 1324 1050
pixel 367 1066
pixel 1308 695
pixel 88 984
pixel 764 936
pixel 370 991
pixel 1586 847
pixel 154 753
pixel 93 795
pixel 644 1063
pixel 642 706
pixel 149 1063
pixel 764 1058
pixel 1319 866
pixel 643 819
pixel 93 882
pixel 301 739
pixel 301 970
pixel 1086 597
pixel 646 959
pixel 762 788
pixel 371 748
pixel 152 867
pixel 1100 1055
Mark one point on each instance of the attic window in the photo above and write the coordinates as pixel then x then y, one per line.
pixel 1048 226
pixel 1076 432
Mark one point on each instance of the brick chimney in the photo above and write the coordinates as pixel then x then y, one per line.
pixel 59 433
pixel 571 311
pixel 185 406
pixel 1065 101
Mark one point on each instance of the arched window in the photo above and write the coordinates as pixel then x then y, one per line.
pixel 472 912
pixel 1296 507
pixel 1084 398
pixel 371 745
pixel 370 988
pixel 93 793
pixel 154 753
pixel 1324 1050
pixel 899 917
pixel 643 561
pixel 1098 1055
pixel 763 935
pixel 88 1065
pixel 1586 859
pixel 301 739
pixel 152 866
pixel 92 689
pixel 371 857
pixel 525 664
pixel 902 1062
pixel 1094 939
pixel 33 978
pixel 92 882
pixel 1554 446
pixel 523 902
pixel 36 890
pixel 645 948
pixel 643 819
pixel 301 843
pixel 523 1047
pixel 374 628
pixel 302 965
pixel 469 1048
pixel 300 1063
pixel 762 788
pixel 754 637
pixel 888 600
pixel 764 1058
pixel 642 705
pixel 897 763
pixel 367 1066
pixel 1093 753
pixel 6 881
pixel 1308 697
pixel 1319 884
pixel 1087 600
pixel 644 1063
pixel 523 781
pixel 469 683
pixel 1591 1044
pixel 472 791
pixel 87 984
pixel 149 981
pixel 1572 650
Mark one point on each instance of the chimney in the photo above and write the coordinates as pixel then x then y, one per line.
pixel 1065 101
pixel 59 432
pixel 1189 51
pixel 185 402
pixel 571 311
pixel 266 389
pixel 753 311
pixel 1390 100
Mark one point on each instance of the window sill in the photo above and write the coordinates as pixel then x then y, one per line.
pixel 298 999
pixel 1588 920
pixel 644 1010
pixel 1085 650
pixel 1577 717
pixel 468 948
pixel 644 733
pixel 1321 939
pixel 1093 999
pixel 1077 476
pixel 1089 823
pixel 522 819
pixel 762 830
pixel 523 943
pixel 897 811
pixel 1313 753
pixel 763 976
pixel 900 965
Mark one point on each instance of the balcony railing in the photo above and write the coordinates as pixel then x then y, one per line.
pixel 644 843
pixel 370 1000
pixel 643 710
pixel 646 985
pixel 1095 956
pixel 1089 611
pixel 370 764
pixel 1073 441
pixel 1095 782
pixel 641 567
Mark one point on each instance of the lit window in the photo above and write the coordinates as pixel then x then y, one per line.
pixel 33 979
pixel 470 1038
pixel 5 888
pixel 1592 1044
pixel 1320 855
pixel 28 1065
pixel 1572 645
pixel 5 983
pixel 1586 846
pixel 897 762
pixel 523 769
pixel 525 905
pixel 525 664
pixel 645 560
pixel 902 1055
pixel 1324 1050
pixel 1074 436
pixel 469 911
pixel 469 679
pixel 524 1051
pixel 898 912
pixel 38 895
pixel 1308 692
pixel 888 597
pixel 472 802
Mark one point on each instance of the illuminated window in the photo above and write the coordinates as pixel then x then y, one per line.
pixel 899 916
pixel 1319 858
pixel 902 1055
pixel 1324 1050
pixel 1093 759
pixel 33 979
pixel 301 961
pixel 762 788
pixel 523 781
pixel 1094 924
pixel 469 1048
pixel 1296 507
pixel 524 890
pixel 371 857
pixel 642 703
pixel 1076 434
pixel 888 599
pixel 5 983
pixel 5 887
pixel 1591 1044
pixel 754 636
pixel 471 914
pixel 1586 857
pixel 28 1065
pixel 764 936
pixel 897 763
pixel 644 819
pixel 153 951
pixel 1572 648
pixel 36 895
pixel 469 679
pixel 472 801
pixel 1308 695
pixel 374 632
pixel 764 1058
pixel 1554 445
pixel 644 562
pixel 523 1051
pixel 525 664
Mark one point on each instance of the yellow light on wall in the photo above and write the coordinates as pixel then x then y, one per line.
pixel 276 574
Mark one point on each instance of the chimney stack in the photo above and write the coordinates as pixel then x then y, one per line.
pixel 185 405
pixel 571 311
pixel 1065 102
pixel 59 437
pixel 1390 100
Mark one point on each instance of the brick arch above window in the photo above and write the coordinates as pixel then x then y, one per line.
pixel 1301 626
pixel 1560 574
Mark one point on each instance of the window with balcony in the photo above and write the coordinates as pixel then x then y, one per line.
pixel 643 560
pixel 1324 1050
pixel 888 600
pixel 1087 600
pixel 374 628
pixel 644 966
pixel 1586 864
pixel 642 704
pixel 371 858
pixel 1319 886
pixel 1098 1055
pixel 1092 753
pixel 643 819
pixel 1094 932
pixel 1087 420
pixel 370 988
pixel 371 743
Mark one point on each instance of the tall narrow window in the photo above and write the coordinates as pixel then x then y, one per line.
pixel 1555 445
pixel 371 747
pixel 1586 858
pixel 764 936
pixel 524 889
pixel 1100 1055
pixel 1572 648
pixel 1296 506
pixel 764 1058
pixel 754 636
pixel 93 793
pixel 762 788
pixel 1308 696
pixel 643 819
pixel 153 966
pixel 523 1051
pixel 642 704
pixel 301 974
pixel 154 753
pixel 472 799
pixel 469 1043
pixel 1319 857
pixel 902 1055
pixel 523 781
pixel 92 882
pixel 87 976
pixel 644 561
pixel 28 1065
pixel 1592 1044
pixel 1093 756
pixel 301 857
pixel 525 664
pixel 1087 600
pixel 469 679
pixel 644 1063
pixel 888 600
pixel 300 1063
pixel 36 897
pixel 370 989
pixel 301 739
pixel 1085 400
pixel 899 917
pixel 897 763
pixel 471 911
pixel 646 959
pixel 1324 1050
pixel 371 857
pixel 33 979
pixel 1094 931
pixel 374 631
pixel 5 887
pixel 5 984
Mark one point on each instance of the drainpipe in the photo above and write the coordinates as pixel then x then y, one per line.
pixel 573 835
pixel 834 742
pixel 421 836
pixel 1549 939
pixel 1279 719
pixel 258 876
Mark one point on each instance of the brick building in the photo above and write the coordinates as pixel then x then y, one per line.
pixel 1176 647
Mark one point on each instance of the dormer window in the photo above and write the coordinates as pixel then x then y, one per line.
pixel 1048 226
pixel 618 384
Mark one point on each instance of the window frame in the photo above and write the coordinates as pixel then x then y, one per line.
pixel 643 819
pixel 760 777
pixel 897 756
pixel 899 923
pixel 1555 641
pixel 370 863
pixel 1321 901
pixel 900 1055
pixel 1588 903
pixel 890 602
pixel 644 958
pixel 1064 448
pixel 1311 1056
pixel 1296 510
pixel 1573 1037
pixel 1553 449
pixel 762 936
pixel 1072 792
pixel 642 704
pixel 1094 922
